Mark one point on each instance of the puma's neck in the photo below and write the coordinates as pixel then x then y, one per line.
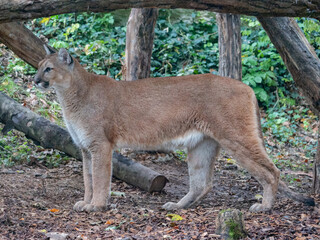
pixel 70 96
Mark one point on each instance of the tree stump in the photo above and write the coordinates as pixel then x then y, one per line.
pixel 230 224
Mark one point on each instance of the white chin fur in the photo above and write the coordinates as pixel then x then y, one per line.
pixel 41 86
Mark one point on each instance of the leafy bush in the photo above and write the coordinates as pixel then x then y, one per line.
pixel 284 122
pixel 311 29
pixel 91 37
pixel 263 68
pixel 188 46
pixel 16 149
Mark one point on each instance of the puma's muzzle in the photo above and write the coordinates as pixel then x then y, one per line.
pixel 39 82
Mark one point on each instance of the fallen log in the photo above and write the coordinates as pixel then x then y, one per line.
pixel 49 135
pixel 137 174
pixel 26 9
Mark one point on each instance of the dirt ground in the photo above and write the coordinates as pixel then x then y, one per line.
pixel 36 203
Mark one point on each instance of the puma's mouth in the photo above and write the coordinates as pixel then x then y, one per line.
pixel 42 85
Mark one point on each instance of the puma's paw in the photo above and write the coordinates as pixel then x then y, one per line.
pixel 93 208
pixel 79 206
pixel 257 207
pixel 83 206
pixel 170 206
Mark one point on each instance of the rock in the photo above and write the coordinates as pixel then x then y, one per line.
pixel 230 224
pixel 56 236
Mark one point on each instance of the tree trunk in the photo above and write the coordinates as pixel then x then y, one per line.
pixel 139 43
pixel 301 61
pixel 26 9
pixel 229 45
pixel 22 42
pixel 316 168
pixel 50 135
pixel 298 55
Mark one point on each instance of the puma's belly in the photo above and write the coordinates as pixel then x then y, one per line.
pixel 188 140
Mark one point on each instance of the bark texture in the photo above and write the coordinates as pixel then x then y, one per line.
pixel 28 9
pixel 229 45
pixel 50 135
pixel 298 55
pixel 137 174
pixel 303 64
pixel 22 42
pixel 316 168
pixel 139 42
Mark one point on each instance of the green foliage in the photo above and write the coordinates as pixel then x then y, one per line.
pixel 16 149
pixel 287 127
pixel 10 153
pixel 311 29
pixel 184 47
pixel 181 155
pixel 284 122
pixel 278 123
pixel 11 74
pixel 263 68
pixel 91 37
pixel 235 231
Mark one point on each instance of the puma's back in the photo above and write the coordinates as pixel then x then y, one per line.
pixel 150 111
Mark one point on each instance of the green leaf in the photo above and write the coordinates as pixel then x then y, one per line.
pixel 174 217
pixel 258 196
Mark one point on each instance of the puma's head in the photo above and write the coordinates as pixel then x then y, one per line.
pixel 55 70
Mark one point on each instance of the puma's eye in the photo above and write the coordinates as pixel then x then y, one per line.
pixel 48 69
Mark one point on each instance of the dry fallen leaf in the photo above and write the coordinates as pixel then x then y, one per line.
pixel 54 210
pixel 109 222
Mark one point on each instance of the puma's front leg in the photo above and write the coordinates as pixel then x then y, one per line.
pixel 200 165
pixel 101 157
pixel 87 177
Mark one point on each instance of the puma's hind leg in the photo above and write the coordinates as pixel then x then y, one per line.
pixel 253 157
pixel 201 160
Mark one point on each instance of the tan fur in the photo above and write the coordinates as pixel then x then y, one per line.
pixel 200 112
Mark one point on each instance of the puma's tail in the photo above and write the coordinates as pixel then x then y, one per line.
pixel 285 191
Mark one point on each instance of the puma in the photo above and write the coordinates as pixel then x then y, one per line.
pixel 200 112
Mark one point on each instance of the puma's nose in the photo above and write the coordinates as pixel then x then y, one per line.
pixel 37 79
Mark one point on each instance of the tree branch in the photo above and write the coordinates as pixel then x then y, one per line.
pixel 28 9
pixel 297 54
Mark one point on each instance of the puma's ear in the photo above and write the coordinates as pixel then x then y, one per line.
pixel 65 57
pixel 49 51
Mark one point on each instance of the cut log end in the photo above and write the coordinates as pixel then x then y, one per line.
pixel 157 184
pixel 136 174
